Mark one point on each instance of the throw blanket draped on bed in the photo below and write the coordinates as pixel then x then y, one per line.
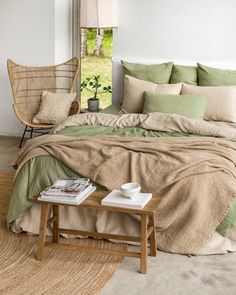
pixel 195 176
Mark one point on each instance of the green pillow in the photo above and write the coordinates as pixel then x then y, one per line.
pixel 184 74
pixel 228 221
pixel 159 74
pixel 192 106
pixel 215 77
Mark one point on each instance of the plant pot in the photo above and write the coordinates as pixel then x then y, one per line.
pixel 93 104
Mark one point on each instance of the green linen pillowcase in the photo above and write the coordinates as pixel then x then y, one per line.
pixel 159 74
pixel 215 77
pixel 191 106
pixel 184 74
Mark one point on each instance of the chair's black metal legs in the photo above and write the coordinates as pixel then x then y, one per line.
pixel 22 138
pixel 31 132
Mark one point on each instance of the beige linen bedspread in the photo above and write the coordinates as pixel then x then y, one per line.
pixel 196 177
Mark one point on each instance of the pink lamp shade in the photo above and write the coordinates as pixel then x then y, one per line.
pixel 97 14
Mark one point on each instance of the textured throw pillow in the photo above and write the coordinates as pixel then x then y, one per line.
pixel 184 74
pixel 221 104
pixel 133 93
pixel 191 106
pixel 215 77
pixel 154 73
pixel 54 107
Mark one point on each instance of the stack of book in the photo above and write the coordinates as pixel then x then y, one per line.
pixel 68 191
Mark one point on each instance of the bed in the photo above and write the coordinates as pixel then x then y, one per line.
pixel 198 157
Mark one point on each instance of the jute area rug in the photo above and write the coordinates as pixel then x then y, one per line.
pixel 61 272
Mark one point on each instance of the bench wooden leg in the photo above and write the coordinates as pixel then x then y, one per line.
pixel 42 230
pixel 153 238
pixel 56 224
pixel 143 260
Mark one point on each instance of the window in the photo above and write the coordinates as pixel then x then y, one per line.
pixel 96 53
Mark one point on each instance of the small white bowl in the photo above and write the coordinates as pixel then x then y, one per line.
pixel 129 190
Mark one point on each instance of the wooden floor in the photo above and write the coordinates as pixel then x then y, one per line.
pixel 8 152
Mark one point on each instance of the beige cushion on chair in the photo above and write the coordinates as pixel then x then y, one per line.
pixel 134 89
pixel 54 107
pixel 221 104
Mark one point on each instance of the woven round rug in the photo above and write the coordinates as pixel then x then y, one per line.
pixel 61 272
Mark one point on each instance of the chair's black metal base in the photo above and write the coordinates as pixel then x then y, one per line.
pixel 32 130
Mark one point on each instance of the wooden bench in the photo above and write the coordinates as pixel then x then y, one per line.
pixel 148 232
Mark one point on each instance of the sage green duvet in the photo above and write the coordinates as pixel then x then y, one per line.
pixel 40 172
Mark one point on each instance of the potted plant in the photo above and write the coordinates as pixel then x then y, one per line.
pixel 94 85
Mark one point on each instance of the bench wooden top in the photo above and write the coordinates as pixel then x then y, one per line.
pixel 94 201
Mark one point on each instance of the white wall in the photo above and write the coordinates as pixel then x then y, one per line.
pixel 32 32
pixel 35 32
pixel 187 30
pixel 63 30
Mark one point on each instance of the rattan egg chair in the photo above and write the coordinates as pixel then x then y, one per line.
pixel 28 84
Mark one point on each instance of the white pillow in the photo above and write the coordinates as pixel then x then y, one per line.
pixel 134 89
pixel 221 104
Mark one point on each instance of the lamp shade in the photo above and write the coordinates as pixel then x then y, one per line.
pixel 97 14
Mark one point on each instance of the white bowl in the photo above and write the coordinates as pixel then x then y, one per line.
pixel 129 190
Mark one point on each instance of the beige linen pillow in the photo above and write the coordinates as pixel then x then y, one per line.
pixel 221 104
pixel 134 89
pixel 54 107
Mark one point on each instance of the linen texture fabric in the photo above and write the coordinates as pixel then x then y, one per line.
pixel 221 104
pixel 159 73
pixel 54 107
pixel 184 74
pixel 134 89
pixel 191 106
pixel 209 76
